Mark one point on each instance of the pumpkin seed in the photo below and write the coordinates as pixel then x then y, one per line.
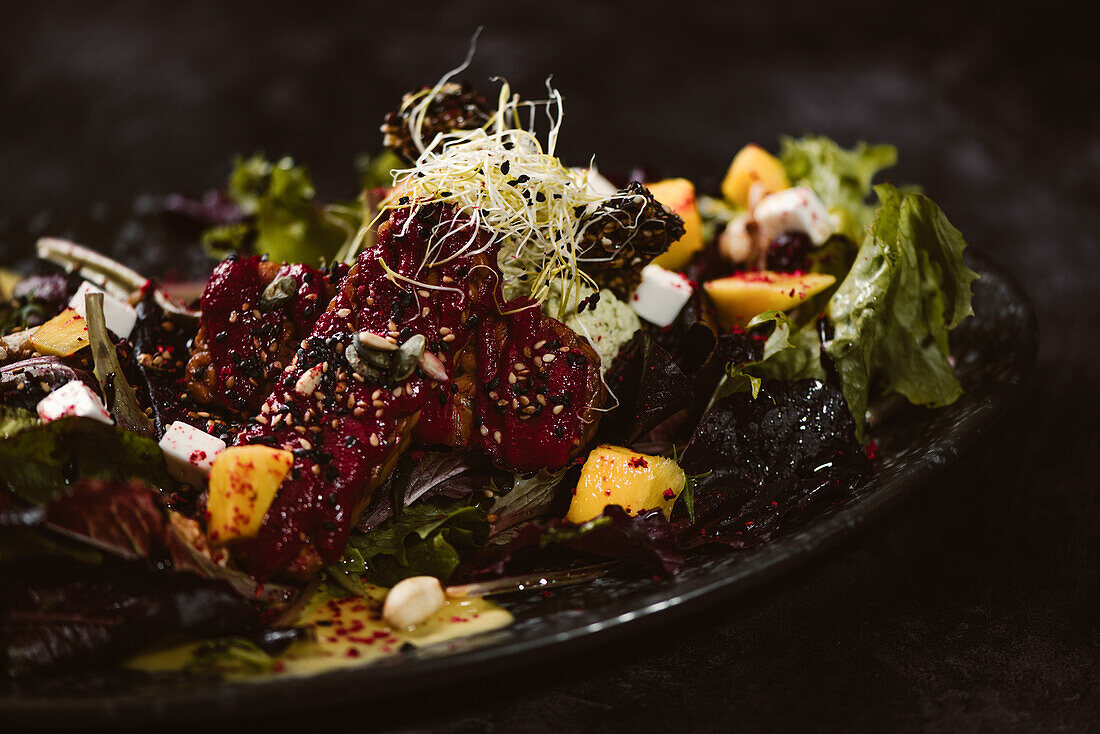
pixel 408 356
pixel 279 292
pixel 357 363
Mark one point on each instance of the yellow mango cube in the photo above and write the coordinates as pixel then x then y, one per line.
pixel 613 475
pixel 243 483
pixel 752 165
pixel 61 336
pixel 678 194
pixel 742 296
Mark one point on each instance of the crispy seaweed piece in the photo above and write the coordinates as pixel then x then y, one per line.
pixel 622 236
pixel 454 107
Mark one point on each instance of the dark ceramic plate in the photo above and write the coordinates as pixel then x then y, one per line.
pixel 995 352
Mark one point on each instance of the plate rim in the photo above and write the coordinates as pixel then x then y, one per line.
pixel 771 560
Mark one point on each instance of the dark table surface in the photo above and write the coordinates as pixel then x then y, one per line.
pixel 973 607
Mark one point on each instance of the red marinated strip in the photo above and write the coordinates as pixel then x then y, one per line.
pixel 245 339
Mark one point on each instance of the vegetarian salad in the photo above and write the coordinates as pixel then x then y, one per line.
pixel 488 373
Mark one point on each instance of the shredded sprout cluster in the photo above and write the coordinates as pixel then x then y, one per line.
pixel 508 183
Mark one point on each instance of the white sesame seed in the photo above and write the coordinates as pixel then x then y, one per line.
pixel 496 436
pixel 484 430
pixel 374 439
pixel 558 409
pixel 343 312
pixel 397 391
pixel 548 357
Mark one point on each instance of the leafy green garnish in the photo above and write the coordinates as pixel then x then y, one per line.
pixel 529 498
pixel 790 353
pixel 376 171
pixel 230 656
pixel 14 420
pixel 41 461
pixel 423 541
pixel 284 222
pixel 121 398
pixel 841 177
pixel 21 544
pixel 908 287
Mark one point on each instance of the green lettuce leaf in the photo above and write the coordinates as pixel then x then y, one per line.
pixel 841 177
pixel 14 420
pixel 39 462
pixel 891 316
pixel 120 395
pixel 423 541
pixel 284 222
pixel 790 353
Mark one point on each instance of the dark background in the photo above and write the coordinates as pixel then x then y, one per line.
pixel 974 607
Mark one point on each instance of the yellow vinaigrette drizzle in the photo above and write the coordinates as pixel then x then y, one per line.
pixel 349 631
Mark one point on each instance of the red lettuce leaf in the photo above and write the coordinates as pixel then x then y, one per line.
pixel 646 542
pixel 52 621
pixel 762 459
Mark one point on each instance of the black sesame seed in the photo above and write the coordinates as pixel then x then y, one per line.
pixel 350 441
pixel 505 166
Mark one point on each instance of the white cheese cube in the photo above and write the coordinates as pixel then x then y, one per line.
pixel 119 316
pixel 73 399
pixel 189 452
pixel 796 209
pixel 661 295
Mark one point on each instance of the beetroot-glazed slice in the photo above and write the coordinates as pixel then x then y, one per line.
pixel 254 312
pixel 347 416
pixel 540 389
pixel 347 428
